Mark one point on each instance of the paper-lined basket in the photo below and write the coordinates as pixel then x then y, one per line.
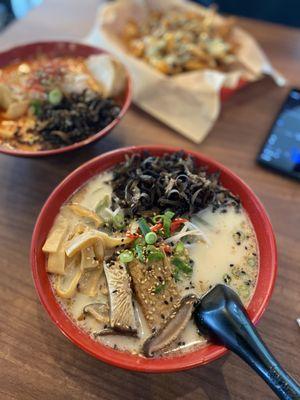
pixel 188 102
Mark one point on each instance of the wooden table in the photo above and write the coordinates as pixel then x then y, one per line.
pixel 36 360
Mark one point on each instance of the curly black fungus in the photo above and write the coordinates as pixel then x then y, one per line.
pixel 172 181
pixel 75 118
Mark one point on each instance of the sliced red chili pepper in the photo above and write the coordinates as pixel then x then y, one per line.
pixel 176 223
pixel 132 235
pixel 156 227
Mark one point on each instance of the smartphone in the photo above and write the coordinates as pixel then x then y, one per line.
pixel 281 149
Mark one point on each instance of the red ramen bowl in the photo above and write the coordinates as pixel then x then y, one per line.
pixel 55 49
pixel 199 356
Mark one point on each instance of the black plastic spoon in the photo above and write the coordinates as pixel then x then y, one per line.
pixel 221 316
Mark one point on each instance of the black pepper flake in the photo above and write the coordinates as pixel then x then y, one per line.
pixel 227 278
pixel 115 346
pixel 166 302
pixel 246 248
pixel 254 254
pixel 115 291
pixel 171 299
pixel 238 243
pixel 162 316
pixel 187 288
pixel 231 265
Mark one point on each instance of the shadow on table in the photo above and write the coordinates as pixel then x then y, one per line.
pixel 94 378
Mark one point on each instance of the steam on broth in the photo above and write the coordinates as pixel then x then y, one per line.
pixel 132 250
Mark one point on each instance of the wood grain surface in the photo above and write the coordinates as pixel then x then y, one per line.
pixel 36 360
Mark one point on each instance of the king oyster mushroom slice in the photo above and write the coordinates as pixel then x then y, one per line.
pixel 98 310
pixel 173 327
pixel 122 315
pixel 92 236
pixel 84 212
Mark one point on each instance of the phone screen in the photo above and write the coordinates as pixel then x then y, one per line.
pixel 281 150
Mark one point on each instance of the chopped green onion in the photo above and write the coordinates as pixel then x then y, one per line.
pixel 182 265
pixel 159 288
pixel 143 226
pixel 118 221
pixel 157 218
pixel 35 106
pixel 179 249
pixel 55 96
pixel 126 256
pixel 155 256
pixel 151 237
pixel 140 253
pixel 167 219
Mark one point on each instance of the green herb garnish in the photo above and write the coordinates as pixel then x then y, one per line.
pixel 156 255
pixel 118 220
pixel 159 288
pixel 179 249
pixel 139 249
pixel 182 265
pixel 143 226
pixel 167 220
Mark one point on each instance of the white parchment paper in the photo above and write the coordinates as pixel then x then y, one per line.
pixel 188 102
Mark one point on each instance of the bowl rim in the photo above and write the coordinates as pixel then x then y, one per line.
pixel 32 46
pixel 199 356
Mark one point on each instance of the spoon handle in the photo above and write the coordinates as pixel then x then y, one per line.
pixel 230 325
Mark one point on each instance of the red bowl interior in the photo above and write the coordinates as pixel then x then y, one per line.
pixel 55 49
pixel 227 92
pixel 203 355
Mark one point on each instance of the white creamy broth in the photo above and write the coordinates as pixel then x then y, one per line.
pixel 227 254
